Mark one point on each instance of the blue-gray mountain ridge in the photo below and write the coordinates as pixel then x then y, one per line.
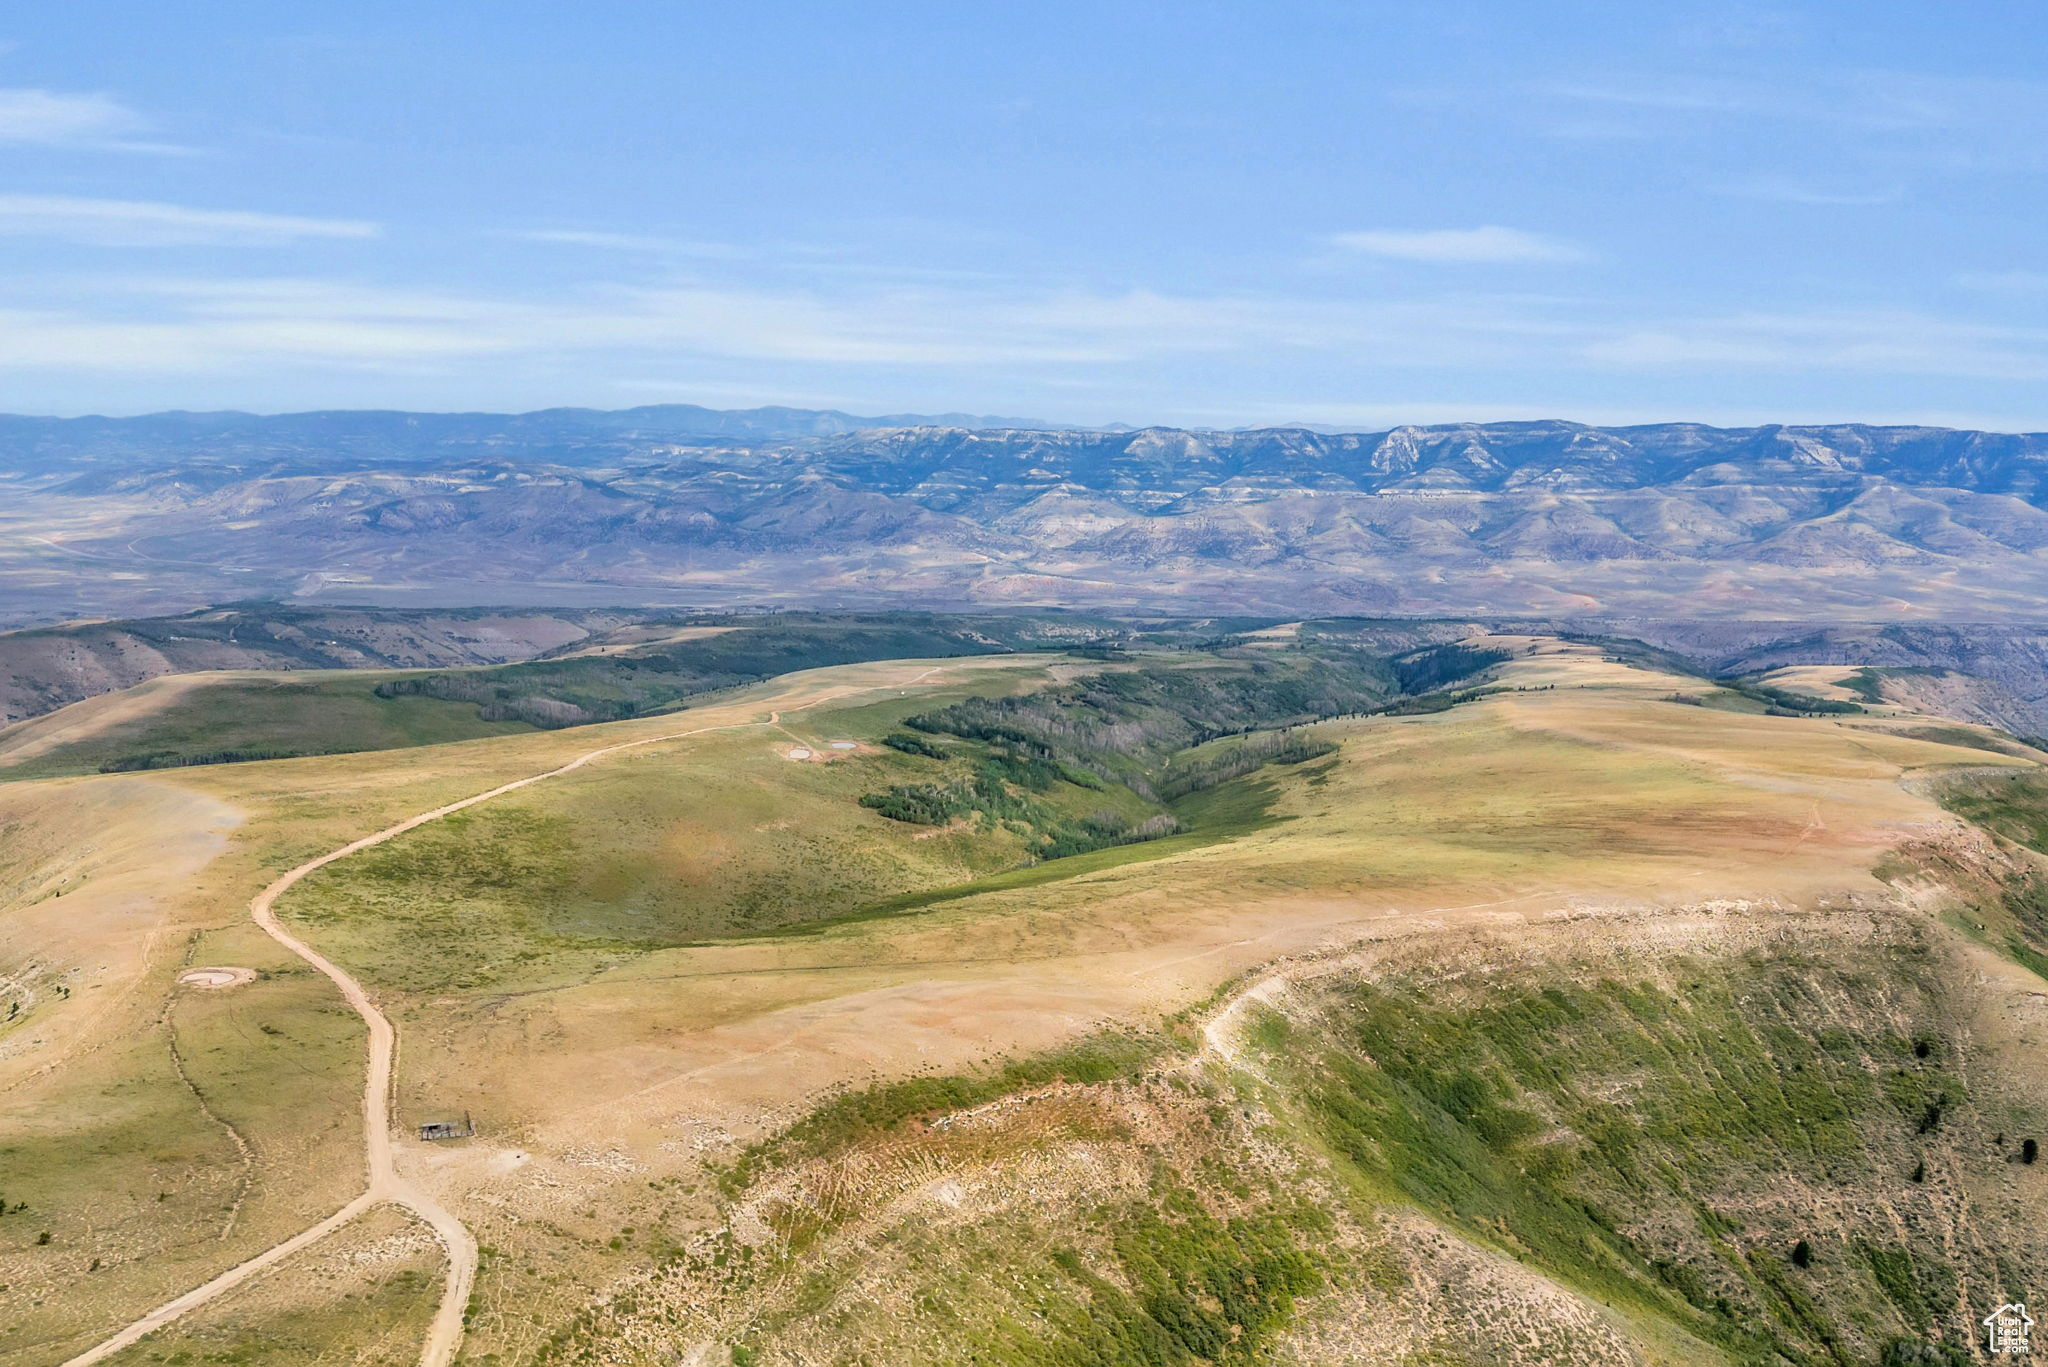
pixel 675 504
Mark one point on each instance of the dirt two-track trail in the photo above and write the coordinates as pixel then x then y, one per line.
pixel 384 1184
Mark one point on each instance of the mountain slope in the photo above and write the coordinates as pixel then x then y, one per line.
pixel 42 670
pixel 573 507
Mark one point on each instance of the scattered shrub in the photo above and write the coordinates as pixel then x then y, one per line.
pixel 171 759
pixel 1421 671
pixel 911 744
pixel 1784 702
pixel 1193 774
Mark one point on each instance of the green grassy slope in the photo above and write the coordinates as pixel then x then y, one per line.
pixel 725 837
pixel 242 718
pixel 579 689
pixel 267 718
pixel 1780 1141
pixel 1657 1134
pixel 140 1192
pixel 1667 1141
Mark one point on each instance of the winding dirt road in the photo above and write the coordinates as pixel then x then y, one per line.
pixel 385 1186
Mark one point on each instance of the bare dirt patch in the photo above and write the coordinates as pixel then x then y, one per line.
pixel 213 979
pixel 822 752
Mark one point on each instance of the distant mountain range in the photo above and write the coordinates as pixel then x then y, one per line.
pixel 356 434
pixel 676 504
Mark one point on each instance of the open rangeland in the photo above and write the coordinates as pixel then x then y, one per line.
pixel 1426 962
pixel 247 713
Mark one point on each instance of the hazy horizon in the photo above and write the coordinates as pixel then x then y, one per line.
pixel 1030 421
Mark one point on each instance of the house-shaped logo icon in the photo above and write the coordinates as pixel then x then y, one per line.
pixel 2006 1329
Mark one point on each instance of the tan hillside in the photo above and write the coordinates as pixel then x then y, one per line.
pixel 1362 1061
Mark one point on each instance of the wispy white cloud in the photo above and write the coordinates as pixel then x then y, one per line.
pixel 1876 342
pixel 1459 245
pixel 171 327
pixel 796 259
pixel 1356 417
pixel 179 325
pixel 1678 94
pixel 738 394
pixel 1873 100
pixel 140 223
pixel 1789 190
pixel 48 118
pixel 1885 118
pixel 2005 282
pixel 1373 417
pixel 627 242
pixel 182 327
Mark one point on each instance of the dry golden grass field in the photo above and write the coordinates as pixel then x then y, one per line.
pixel 1336 1069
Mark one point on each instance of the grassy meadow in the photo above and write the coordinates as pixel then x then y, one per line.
pixel 262 717
pixel 361 1299
pixel 643 976
pixel 240 717
pixel 224 1122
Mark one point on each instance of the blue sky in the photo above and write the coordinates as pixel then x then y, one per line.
pixel 1354 214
